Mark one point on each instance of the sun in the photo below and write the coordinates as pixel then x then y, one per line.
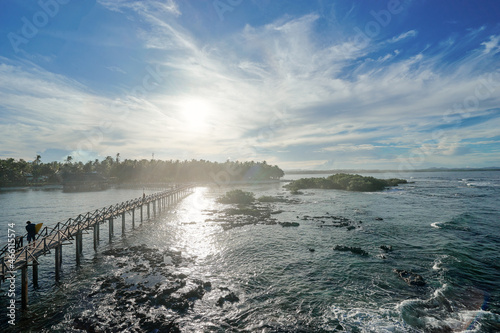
pixel 194 114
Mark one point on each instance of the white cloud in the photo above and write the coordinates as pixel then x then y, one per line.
pixel 410 33
pixel 491 45
pixel 142 6
pixel 350 147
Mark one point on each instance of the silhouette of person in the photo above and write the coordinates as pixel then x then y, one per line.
pixel 30 228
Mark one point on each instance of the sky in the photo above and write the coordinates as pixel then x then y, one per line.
pixel 303 84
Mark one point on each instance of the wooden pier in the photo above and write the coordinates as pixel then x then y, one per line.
pixel 19 255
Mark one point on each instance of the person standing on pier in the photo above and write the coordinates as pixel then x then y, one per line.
pixel 30 228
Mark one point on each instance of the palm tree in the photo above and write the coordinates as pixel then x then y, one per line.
pixel 36 167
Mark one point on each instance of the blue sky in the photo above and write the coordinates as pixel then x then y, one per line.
pixel 301 84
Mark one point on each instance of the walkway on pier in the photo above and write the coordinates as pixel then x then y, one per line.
pixel 18 255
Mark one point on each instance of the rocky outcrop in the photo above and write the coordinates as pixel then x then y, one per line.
pixel 413 279
pixel 289 224
pixel 231 297
pixel 355 250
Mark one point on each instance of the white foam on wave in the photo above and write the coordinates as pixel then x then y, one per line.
pixel 439 317
pixel 367 319
pixel 438 262
pixel 436 225
pixel 440 291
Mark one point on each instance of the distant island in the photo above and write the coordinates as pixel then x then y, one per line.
pixel 344 181
pixel 312 172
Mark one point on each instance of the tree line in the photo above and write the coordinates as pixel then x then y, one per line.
pixel 20 172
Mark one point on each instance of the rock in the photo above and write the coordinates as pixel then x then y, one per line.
pixel 386 248
pixel 311 249
pixel 231 297
pixel 289 224
pixel 355 250
pixel 351 227
pixel 413 279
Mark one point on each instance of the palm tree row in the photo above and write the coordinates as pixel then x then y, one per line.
pixel 20 172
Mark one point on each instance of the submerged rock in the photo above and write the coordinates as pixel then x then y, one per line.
pixel 231 297
pixel 413 279
pixel 386 248
pixel 289 224
pixel 355 250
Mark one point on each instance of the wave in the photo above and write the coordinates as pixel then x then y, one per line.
pixel 478 182
pixel 437 225
pixel 444 311
pixel 366 320
pixel 438 262
pixel 461 222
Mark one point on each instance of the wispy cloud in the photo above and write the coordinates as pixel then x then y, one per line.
pixel 144 6
pixel 262 91
pixel 491 45
pixel 411 33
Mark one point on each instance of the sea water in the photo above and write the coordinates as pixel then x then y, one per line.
pixel 185 271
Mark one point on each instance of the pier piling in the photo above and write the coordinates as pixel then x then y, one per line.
pixel 24 287
pixel 35 274
pixel 133 218
pixel 77 248
pixel 110 228
pixel 57 257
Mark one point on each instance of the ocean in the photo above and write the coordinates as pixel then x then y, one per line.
pixel 197 269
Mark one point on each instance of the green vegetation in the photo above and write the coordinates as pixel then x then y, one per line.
pixel 343 181
pixel 237 197
pixel 21 173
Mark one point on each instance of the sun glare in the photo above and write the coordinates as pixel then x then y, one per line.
pixel 194 114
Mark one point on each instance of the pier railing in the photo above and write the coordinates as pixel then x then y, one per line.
pixel 72 229
pixel 89 218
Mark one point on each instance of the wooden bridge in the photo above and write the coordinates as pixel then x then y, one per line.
pixel 16 254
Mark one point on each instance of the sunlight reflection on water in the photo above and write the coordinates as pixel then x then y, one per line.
pixel 195 236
